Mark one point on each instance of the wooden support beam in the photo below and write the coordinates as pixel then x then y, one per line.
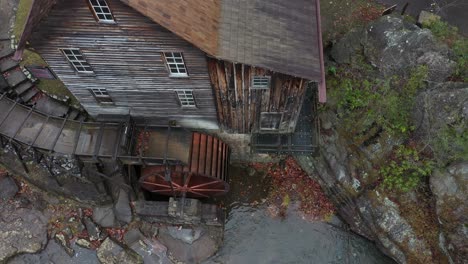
pixel 39 132
pixel 97 147
pixel 243 99
pixel 22 123
pixel 58 135
pixel 77 137
pixel 117 143
pixel 8 113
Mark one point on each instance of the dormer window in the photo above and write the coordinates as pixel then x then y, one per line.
pixel 102 11
pixel 175 64
pixel 260 82
pixel 76 59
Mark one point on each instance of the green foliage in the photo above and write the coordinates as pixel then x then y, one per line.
pixel 459 44
pixel 460 51
pixel 388 103
pixel 405 170
pixel 451 143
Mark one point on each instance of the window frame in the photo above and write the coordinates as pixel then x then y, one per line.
pixel 260 87
pixel 103 97
pixel 183 92
pixel 96 16
pixel 270 113
pixel 168 67
pixel 84 60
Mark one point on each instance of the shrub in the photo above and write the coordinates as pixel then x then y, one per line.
pixel 459 44
pixel 450 144
pixel 405 170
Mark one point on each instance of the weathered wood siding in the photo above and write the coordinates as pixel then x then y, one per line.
pixel 239 106
pixel 39 9
pixel 127 61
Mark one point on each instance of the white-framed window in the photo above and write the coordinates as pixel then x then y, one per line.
pixel 186 98
pixel 102 11
pixel 261 82
pixel 101 95
pixel 270 120
pixel 175 64
pixel 76 59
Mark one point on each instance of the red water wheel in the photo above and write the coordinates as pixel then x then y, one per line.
pixel 205 176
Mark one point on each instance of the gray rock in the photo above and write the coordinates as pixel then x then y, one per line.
pixel 110 252
pixel 21 231
pixel 187 235
pixel 83 243
pixel 450 187
pixel 349 47
pixel 426 18
pixel 150 250
pixel 123 211
pixel 104 216
pixel 442 105
pixel 64 241
pixel 198 251
pixel 394 47
pixel 93 231
pixel 54 253
pixel 8 188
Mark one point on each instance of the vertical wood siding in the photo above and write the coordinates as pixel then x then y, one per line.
pixel 239 107
pixel 126 59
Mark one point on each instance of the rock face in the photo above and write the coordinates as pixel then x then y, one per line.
pixel 450 187
pixel 393 46
pixel 110 252
pixel 16 224
pixel 407 227
pixel 442 104
pixel 122 209
pixel 104 216
pixel 188 245
pixel 8 188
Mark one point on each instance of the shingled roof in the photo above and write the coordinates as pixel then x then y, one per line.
pixel 279 35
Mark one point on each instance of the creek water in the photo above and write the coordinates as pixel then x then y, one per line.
pixel 253 236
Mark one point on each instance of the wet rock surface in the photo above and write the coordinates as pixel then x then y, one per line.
pixel 110 252
pixel 22 230
pixel 104 216
pixel 8 187
pixel 190 245
pixel 450 187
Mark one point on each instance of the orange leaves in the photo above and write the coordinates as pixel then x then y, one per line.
pixel 291 183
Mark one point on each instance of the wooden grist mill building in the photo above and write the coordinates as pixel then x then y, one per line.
pixel 237 66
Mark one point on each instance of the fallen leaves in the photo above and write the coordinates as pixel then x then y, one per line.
pixel 291 184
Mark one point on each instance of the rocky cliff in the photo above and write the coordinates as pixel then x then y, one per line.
pixel 394 141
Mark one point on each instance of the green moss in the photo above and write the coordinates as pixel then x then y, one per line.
pixel 459 44
pixel 21 17
pixel 51 87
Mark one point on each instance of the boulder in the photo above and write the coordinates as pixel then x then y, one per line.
pixel 152 251
pixel 111 252
pixel 394 46
pixel 8 188
pixel 188 245
pixel 450 187
pixel 93 231
pixel 122 209
pixel 22 230
pixel 104 216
